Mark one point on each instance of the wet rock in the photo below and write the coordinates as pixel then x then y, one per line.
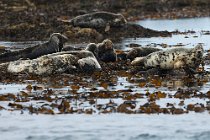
pixel 199 108
pixel 190 107
pixel 178 111
pixel 125 108
pixel 3 49
pixel 88 33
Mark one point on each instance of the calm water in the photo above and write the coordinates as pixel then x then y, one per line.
pixel 192 126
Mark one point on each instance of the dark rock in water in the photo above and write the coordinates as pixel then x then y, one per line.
pixel 54 44
pixel 134 45
pixel 140 51
pixel 99 20
pixel 3 50
pixel 103 51
pixel 208 56
pixel 56 63
pixel 177 58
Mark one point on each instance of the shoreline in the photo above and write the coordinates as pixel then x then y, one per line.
pixel 36 20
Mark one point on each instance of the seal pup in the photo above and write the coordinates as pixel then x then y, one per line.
pixel 92 47
pixel 55 63
pixel 187 58
pixel 140 52
pixel 99 20
pixel 54 44
pixel 103 51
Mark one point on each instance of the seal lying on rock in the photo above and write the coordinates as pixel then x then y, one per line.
pixel 99 20
pixel 140 51
pixel 54 44
pixel 176 58
pixel 54 63
pixel 103 51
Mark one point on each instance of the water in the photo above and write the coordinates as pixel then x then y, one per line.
pixel 112 126
pixel 195 24
pixel 19 45
pixel 191 126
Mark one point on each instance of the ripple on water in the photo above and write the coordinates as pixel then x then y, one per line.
pixel 146 136
pixel 205 135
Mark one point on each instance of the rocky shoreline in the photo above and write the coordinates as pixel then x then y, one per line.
pixel 36 20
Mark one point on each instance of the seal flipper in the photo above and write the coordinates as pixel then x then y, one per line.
pixel 189 71
pixel 138 61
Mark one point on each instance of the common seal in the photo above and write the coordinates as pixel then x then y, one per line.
pixel 54 63
pixel 99 20
pixel 54 44
pixel 140 52
pixel 103 51
pixel 176 58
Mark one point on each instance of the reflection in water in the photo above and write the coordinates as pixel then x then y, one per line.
pixel 19 45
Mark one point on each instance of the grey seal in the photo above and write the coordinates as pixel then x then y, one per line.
pixel 54 44
pixel 55 63
pixel 176 58
pixel 99 20
pixel 140 52
pixel 104 51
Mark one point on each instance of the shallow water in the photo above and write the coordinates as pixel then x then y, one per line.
pixel 194 24
pixel 192 126
pixel 112 126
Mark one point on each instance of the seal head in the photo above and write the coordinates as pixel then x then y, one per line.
pixel 58 39
pixel 140 52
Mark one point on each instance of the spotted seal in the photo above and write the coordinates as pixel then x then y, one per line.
pixel 176 58
pixel 99 20
pixel 140 52
pixel 55 63
pixel 54 44
pixel 104 51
